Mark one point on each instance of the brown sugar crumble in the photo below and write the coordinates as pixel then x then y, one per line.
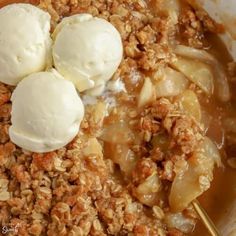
pixel 194 24
pixel 107 183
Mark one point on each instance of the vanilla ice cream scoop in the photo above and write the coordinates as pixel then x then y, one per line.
pixel 87 50
pixel 24 41
pixel 46 112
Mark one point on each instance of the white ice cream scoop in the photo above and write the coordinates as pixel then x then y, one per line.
pixel 24 41
pixel 87 51
pixel 223 11
pixel 46 112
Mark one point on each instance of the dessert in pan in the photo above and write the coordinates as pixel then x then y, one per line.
pixel 113 116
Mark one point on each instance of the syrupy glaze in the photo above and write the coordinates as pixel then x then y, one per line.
pixel 219 198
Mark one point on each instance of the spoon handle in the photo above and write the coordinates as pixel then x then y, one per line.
pixel 205 219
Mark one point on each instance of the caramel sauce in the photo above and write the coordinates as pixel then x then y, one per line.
pixel 218 199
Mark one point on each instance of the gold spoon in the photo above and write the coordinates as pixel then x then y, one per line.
pixel 205 218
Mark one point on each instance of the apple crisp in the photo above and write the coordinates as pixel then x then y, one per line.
pixel 142 154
